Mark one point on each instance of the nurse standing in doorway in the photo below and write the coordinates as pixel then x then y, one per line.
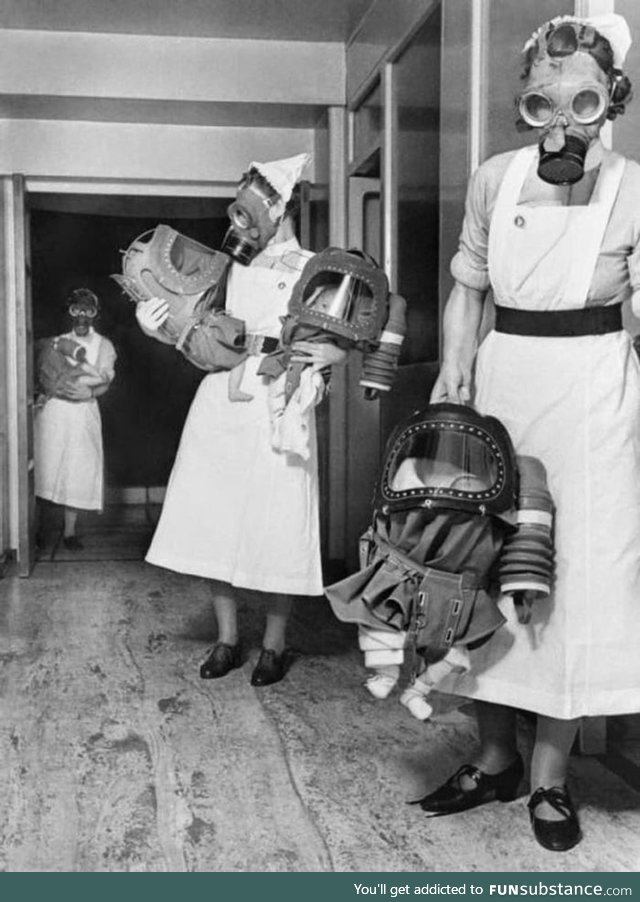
pixel 69 459
pixel 554 230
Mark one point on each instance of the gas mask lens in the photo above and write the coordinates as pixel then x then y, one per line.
pixel 444 463
pixel 536 109
pixel 585 107
pixel 338 296
pixel 240 218
pixel 77 310
pixel 588 106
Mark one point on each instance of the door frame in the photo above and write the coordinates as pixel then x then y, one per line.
pixel 24 376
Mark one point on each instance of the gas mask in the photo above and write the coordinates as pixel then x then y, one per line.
pixel 83 307
pixel 450 457
pixel 343 296
pixel 567 100
pixel 343 293
pixel 576 111
pixel 255 215
pixel 80 311
pixel 447 524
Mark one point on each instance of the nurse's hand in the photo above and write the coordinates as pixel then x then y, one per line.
pixel 151 314
pixel 76 393
pixel 524 602
pixel 453 384
pixel 318 354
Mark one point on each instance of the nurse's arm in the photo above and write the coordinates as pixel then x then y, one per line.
pixel 461 322
pixel 101 389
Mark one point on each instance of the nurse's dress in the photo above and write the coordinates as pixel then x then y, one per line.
pixel 574 402
pixel 69 459
pixel 235 509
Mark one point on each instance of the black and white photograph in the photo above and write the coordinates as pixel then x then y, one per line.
pixel 320 439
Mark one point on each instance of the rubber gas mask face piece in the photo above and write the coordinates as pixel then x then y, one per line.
pixel 343 294
pixel 567 101
pixel 568 115
pixel 82 307
pixel 254 218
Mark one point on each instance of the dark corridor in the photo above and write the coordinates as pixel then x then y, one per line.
pixel 143 412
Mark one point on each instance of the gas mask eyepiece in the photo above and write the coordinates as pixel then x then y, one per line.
pixel 585 106
pixel 79 310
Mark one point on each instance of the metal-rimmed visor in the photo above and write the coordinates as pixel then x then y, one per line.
pixel 585 107
pixel 448 456
pixel 343 293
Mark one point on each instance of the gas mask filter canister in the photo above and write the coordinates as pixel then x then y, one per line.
pixel 564 166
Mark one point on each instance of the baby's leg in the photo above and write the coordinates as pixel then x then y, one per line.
pixel 383 680
pixel 235 380
pixel 415 695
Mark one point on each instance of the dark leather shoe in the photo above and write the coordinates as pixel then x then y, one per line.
pixel 557 836
pixel 271 667
pixel 222 658
pixel 452 797
pixel 72 543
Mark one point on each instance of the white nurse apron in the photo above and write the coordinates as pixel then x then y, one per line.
pixel 573 402
pixel 235 509
pixel 68 454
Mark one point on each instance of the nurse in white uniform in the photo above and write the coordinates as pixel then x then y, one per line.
pixel 554 230
pixel 69 458
pixel 237 511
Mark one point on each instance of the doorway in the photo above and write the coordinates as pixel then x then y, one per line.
pixel 76 241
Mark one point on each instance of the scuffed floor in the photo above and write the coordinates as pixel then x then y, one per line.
pixel 115 756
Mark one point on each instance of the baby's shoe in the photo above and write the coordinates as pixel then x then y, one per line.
pixel 380 684
pixel 416 702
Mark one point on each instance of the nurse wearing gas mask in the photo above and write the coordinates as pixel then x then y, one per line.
pixel 237 511
pixel 69 456
pixel 554 230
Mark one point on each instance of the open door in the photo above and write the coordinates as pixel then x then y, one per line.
pixel 24 378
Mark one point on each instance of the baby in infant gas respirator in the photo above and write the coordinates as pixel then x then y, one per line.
pixel 458 521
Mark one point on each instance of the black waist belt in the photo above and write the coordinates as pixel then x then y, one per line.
pixel 559 323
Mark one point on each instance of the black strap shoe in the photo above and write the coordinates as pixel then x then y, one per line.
pixel 222 658
pixel 557 836
pixel 271 667
pixel 72 543
pixel 453 797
